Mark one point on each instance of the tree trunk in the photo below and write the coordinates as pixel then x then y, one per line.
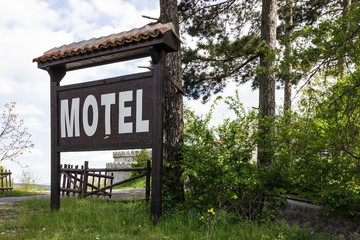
pixel 267 82
pixel 173 112
pixel 342 61
pixel 288 54
pixel 289 30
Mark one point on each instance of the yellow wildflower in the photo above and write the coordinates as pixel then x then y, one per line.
pixel 211 211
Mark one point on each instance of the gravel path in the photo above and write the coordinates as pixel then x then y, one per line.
pixel 124 193
pixel 118 193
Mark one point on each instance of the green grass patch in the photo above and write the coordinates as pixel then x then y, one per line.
pixel 94 219
pixel 137 183
pixel 17 193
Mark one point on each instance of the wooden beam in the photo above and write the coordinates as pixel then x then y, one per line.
pixel 175 83
pixel 115 184
pixel 56 75
pixel 157 134
pixel 117 169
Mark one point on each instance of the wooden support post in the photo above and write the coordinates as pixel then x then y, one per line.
pixel 111 183
pixel 147 188
pixel 68 183
pixel 75 178
pixel 81 181
pixel 10 185
pixel 158 57
pixel 92 183
pixel 2 180
pixel 56 75
pixel 63 180
pixel 85 180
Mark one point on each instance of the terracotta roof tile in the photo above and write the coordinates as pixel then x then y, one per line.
pixel 113 40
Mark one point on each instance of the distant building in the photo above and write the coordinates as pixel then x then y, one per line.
pixel 122 159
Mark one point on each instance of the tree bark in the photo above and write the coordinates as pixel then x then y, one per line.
pixel 173 112
pixel 288 54
pixel 267 82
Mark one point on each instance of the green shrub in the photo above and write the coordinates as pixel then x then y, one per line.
pixel 219 170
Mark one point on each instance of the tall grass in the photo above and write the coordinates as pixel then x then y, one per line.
pixel 94 219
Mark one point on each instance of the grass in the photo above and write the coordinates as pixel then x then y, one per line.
pixel 17 193
pixel 94 219
pixel 137 183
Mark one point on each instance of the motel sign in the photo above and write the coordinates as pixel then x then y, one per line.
pixel 96 114
pixel 123 112
pixel 70 121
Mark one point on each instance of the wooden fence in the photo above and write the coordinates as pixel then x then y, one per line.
pixel 98 180
pixel 5 180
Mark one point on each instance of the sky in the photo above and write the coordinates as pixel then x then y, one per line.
pixel 28 28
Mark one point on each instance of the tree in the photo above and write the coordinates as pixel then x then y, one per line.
pixel 14 138
pixel 324 35
pixel 267 80
pixel 228 44
pixel 286 39
pixel 173 110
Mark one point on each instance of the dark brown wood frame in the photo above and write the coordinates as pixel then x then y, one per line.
pixel 156 49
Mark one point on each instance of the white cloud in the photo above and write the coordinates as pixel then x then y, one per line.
pixel 124 15
pixel 84 10
pixel 22 14
pixel 28 109
pixel 96 159
pixel 35 124
pixel 7 85
pixel 34 152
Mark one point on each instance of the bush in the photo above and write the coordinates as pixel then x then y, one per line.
pixel 218 169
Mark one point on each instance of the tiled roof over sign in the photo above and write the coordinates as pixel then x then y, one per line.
pixel 113 40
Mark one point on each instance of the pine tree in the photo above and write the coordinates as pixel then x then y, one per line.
pixel 267 81
pixel 173 111
pixel 227 48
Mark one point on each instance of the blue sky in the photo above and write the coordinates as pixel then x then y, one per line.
pixel 28 28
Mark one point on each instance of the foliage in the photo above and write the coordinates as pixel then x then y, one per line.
pixel 316 156
pixel 218 166
pixel 141 158
pixel 324 145
pixel 228 45
pixel 330 46
pixel 316 147
pixel 28 181
pixel 94 219
pixel 14 139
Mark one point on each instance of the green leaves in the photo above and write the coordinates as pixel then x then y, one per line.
pixel 227 44
pixel 316 156
pixel 217 168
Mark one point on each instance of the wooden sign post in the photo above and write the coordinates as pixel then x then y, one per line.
pixel 124 112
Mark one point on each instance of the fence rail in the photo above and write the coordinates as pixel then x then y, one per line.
pixel 97 181
pixel 5 180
